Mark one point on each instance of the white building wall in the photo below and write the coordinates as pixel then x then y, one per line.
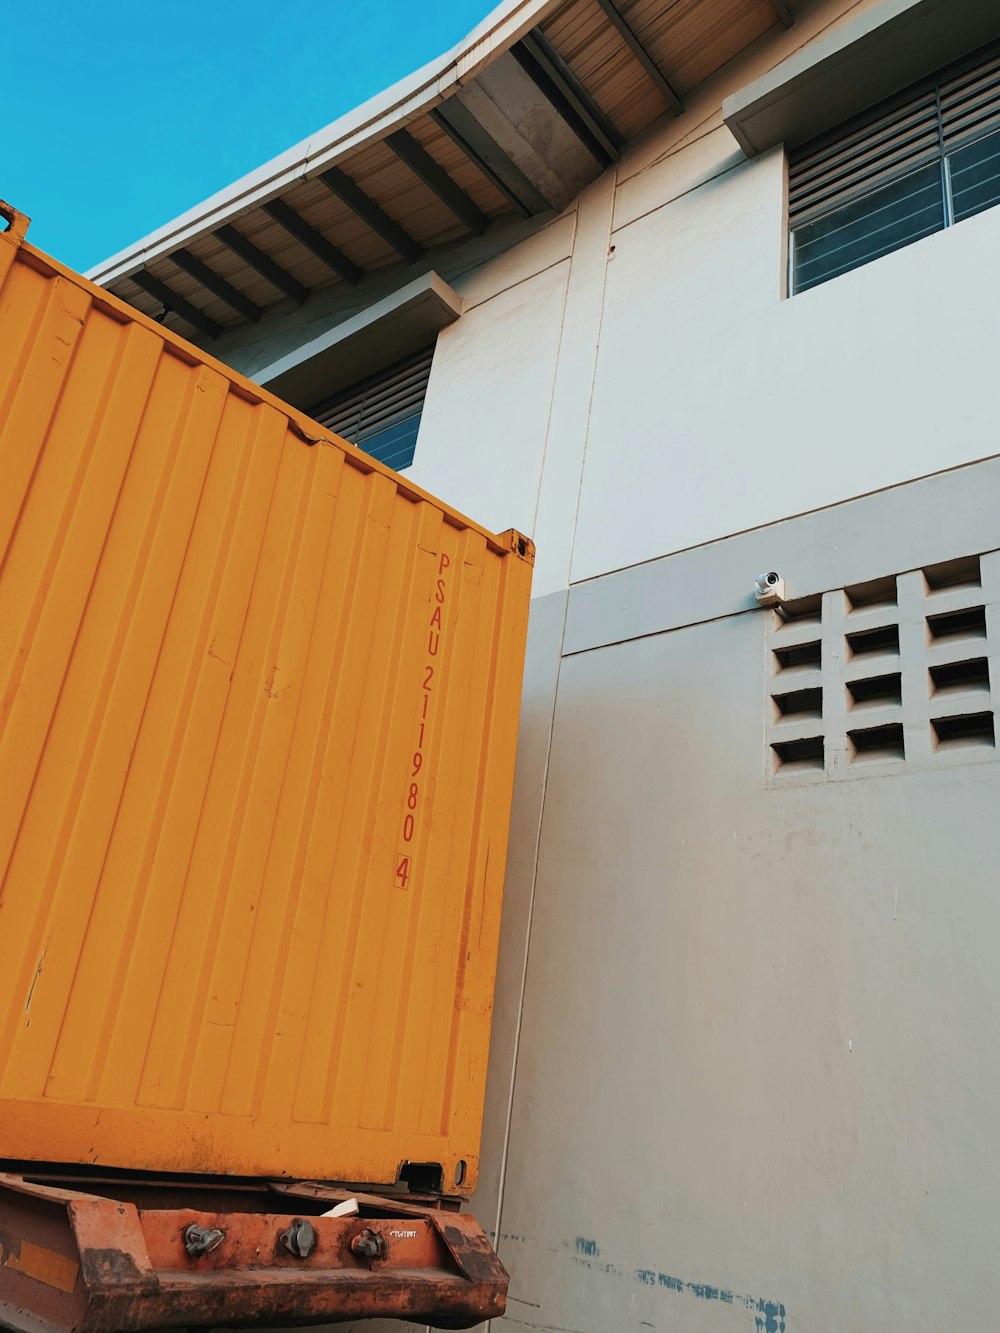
pixel 716 404
pixel 684 1128
pixel 863 382
pixel 491 396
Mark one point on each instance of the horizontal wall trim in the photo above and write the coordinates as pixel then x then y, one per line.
pixel 914 524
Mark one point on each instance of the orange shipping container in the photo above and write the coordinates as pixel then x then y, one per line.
pixel 259 707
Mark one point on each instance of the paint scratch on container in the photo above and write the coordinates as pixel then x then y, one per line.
pixel 587 1247
pixel 34 982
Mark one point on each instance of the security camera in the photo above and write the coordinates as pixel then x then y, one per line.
pixel 769 590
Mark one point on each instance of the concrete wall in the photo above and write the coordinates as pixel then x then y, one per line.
pixel 756 1074
pixel 743 1074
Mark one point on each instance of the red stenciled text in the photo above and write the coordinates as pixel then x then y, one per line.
pixel 413 801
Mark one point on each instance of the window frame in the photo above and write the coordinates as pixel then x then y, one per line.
pixel 334 411
pixel 943 86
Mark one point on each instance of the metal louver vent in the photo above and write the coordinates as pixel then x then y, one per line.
pixel 912 165
pixel 381 414
pixel 862 157
pixel 970 100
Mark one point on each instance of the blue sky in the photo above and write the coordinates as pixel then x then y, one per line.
pixel 118 116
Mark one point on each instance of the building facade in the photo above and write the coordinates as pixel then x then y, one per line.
pixel 699 290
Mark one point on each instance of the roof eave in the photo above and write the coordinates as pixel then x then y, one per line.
pixel 371 121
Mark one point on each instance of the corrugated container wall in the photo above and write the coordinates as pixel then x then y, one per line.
pixel 260 704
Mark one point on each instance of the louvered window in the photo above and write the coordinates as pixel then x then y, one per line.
pixel 381 414
pixel 913 165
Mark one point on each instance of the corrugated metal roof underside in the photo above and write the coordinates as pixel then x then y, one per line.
pixel 687 40
pixel 214 672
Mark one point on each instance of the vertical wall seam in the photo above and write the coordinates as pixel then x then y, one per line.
pixel 555 375
pixel 526 956
pixel 593 381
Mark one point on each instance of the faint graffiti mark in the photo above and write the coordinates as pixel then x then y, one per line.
pixel 769 1316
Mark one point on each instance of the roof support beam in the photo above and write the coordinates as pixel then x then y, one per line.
pixel 350 193
pixel 264 264
pixel 314 241
pixel 635 45
pixel 218 286
pixel 420 162
pixel 174 301
pixel 481 148
pixel 555 80
pixel 783 12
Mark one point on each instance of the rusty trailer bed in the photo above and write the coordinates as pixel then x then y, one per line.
pixel 101 1254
